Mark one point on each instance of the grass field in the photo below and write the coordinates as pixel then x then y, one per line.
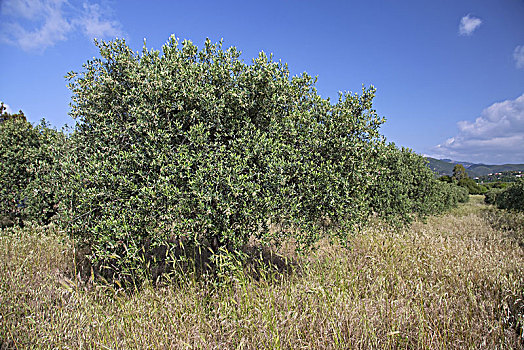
pixel 455 281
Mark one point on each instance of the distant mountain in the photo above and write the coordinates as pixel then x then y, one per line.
pixel 445 167
pixel 441 166
pixel 465 164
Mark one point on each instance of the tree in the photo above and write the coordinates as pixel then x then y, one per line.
pixel 511 197
pixel 406 188
pixel 446 178
pixel 8 116
pixel 459 172
pixel 28 164
pixel 197 146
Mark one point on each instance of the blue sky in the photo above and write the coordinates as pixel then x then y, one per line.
pixel 449 74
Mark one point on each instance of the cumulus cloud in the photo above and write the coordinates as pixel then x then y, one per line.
pixel 468 24
pixel 518 55
pixel 35 25
pixel 94 25
pixel 497 136
pixel 7 108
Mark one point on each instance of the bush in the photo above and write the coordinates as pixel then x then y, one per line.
pixel 499 185
pixel 512 197
pixel 447 196
pixel 490 197
pixel 461 194
pixel 405 187
pixel 28 160
pixel 446 178
pixel 197 146
pixel 472 186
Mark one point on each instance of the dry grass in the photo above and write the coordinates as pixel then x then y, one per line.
pixel 456 281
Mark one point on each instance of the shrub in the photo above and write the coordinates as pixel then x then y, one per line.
pixel 197 146
pixel 472 186
pixel 500 185
pixel 405 187
pixel 461 193
pixel 458 195
pixel 446 178
pixel 28 160
pixel 512 197
pixel 490 197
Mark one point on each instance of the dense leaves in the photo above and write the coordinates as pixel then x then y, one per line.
pixel 461 178
pixel 490 196
pixel 512 197
pixel 189 147
pixel 197 146
pixel 5 116
pixel 472 186
pixel 459 172
pixel 405 187
pixel 28 170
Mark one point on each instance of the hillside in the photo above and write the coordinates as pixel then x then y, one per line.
pixel 445 167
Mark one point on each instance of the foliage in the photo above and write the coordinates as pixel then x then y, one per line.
pixel 512 197
pixel 447 196
pixel 472 186
pixel 446 178
pixel 44 191
pixel 4 116
pixel 500 185
pixel 197 146
pixel 401 177
pixel 405 187
pixel 461 178
pixel 490 197
pixel 28 164
pixel 460 193
pixel 459 172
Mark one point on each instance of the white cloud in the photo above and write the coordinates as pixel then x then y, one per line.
pixel 7 108
pixel 497 136
pixel 468 24
pixel 93 24
pixel 518 55
pixel 35 25
pixel 23 8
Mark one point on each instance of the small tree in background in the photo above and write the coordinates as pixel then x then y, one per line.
pixel 461 177
pixel 4 116
pixel 406 187
pixel 459 172
pixel 512 197
pixel 28 169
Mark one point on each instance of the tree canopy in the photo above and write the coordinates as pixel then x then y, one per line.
pixel 28 170
pixel 198 145
pixel 195 147
pixel 459 172
pixel 4 115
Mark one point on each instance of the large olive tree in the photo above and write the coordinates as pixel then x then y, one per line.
pixel 196 145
